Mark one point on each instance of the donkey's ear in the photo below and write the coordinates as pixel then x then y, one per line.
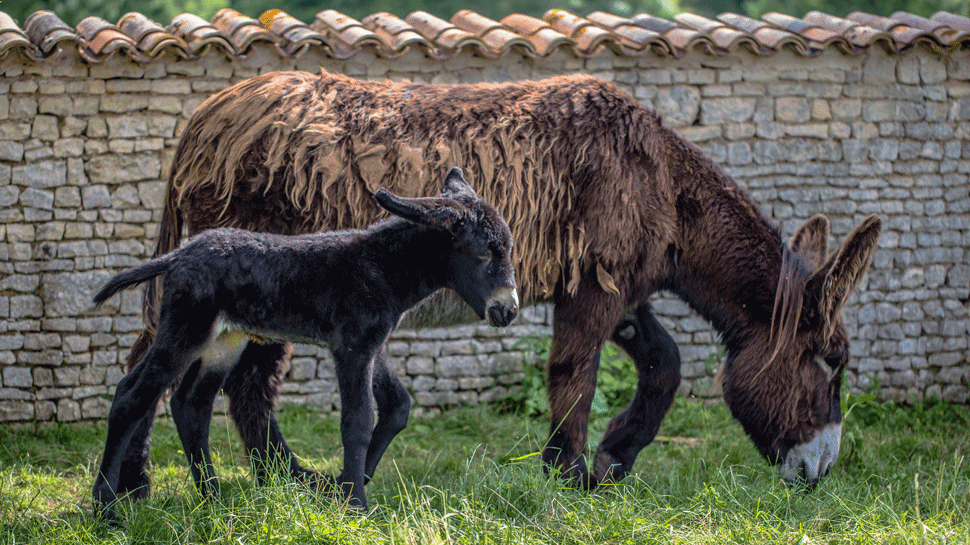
pixel 811 241
pixel 456 186
pixel 433 212
pixel 843 272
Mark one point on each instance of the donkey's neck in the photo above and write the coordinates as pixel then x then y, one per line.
pixel 729 257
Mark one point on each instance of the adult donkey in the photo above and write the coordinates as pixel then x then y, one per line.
pixel 607 206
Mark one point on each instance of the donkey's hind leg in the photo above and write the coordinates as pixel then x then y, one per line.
pixel 658 365
pixel 252 389
pixel 393 409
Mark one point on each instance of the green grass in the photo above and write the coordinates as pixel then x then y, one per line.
pixel 471 476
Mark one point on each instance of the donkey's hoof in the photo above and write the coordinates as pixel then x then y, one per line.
pixel 607 469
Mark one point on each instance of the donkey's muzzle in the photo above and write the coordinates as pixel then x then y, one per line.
pixel 502 307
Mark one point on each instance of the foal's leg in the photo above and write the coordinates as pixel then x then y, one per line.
pixel 393 409
pixel 137 395
pixel 355 379
pixel 581 323
pixel 192 405
pixel 252 389
pixel 658 364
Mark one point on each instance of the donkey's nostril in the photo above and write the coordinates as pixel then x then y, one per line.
pixel 500 315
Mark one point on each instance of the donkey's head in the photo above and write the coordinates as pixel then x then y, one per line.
pixel 784 384
pixel 480 262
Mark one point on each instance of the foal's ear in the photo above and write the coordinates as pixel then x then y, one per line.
pixel 435 212
pixel 843 272
pixel 456 186
pixel 811 241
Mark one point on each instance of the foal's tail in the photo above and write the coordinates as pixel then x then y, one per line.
pixel 131 277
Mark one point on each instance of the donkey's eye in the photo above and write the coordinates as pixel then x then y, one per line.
pixel 486 256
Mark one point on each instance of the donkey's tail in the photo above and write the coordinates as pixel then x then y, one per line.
pixel 169 237
pixel 133 276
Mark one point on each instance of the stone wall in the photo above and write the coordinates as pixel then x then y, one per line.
pixel 84 150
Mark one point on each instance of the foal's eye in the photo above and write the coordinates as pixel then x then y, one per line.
pixel 487 255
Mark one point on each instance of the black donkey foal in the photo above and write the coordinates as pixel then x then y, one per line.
pixel 226 288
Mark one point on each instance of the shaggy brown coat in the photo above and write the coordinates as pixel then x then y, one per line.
pixel 606 206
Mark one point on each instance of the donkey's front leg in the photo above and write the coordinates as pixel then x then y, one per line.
pixel 354 377
pixel 658 365
pixel 581 323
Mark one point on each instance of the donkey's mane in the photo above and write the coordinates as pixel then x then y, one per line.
pixel 324 143
pixel 789 301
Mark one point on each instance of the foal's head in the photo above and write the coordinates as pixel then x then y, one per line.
pixel 784 383
pixel 480 262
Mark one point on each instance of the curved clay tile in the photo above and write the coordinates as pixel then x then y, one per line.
pixel 396 32
pixel 769 37
pixel 199 34
pixel 590 38
pixel 906 37
pixel 952 20
pixel 544 38
pixel 47 31
pixel 633 36
pixel 861 36
pixel 727 39
pixel 946 34
pixel 447 39
pixel 152 39
pixel 295 35
pixel 818 38
pixel 496 36
pixel 347 35
pixel 100 40
pixel 682 40
pixel 12 38
pixel 242 30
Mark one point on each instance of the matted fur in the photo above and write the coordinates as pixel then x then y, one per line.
pixel 606 205
pixel 325 143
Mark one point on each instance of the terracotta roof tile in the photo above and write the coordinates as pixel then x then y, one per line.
pixel 818 38
pixel 150 37
pixel 100 40
pixel 48 32
pixel 725 38
pixel 633 36
pixel 346 35
pixel 295 35
pixel 589 37
pixel 390 36
pixel 13 39
pixel 545 40
pixel 199 35
pixel 769 37
pixel 682 39
pixel 499 39
pixel 905 37
pixel 860 36
pixel 243 31
pixel 396 32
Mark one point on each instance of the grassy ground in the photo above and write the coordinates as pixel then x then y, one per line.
pixel 471 476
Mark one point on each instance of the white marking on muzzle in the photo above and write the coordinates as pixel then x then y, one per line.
pixel 812 460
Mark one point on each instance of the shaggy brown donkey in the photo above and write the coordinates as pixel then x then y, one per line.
pixel 347 289
pixel 606 205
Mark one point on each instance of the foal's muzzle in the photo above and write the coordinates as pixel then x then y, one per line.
pixel 502 307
